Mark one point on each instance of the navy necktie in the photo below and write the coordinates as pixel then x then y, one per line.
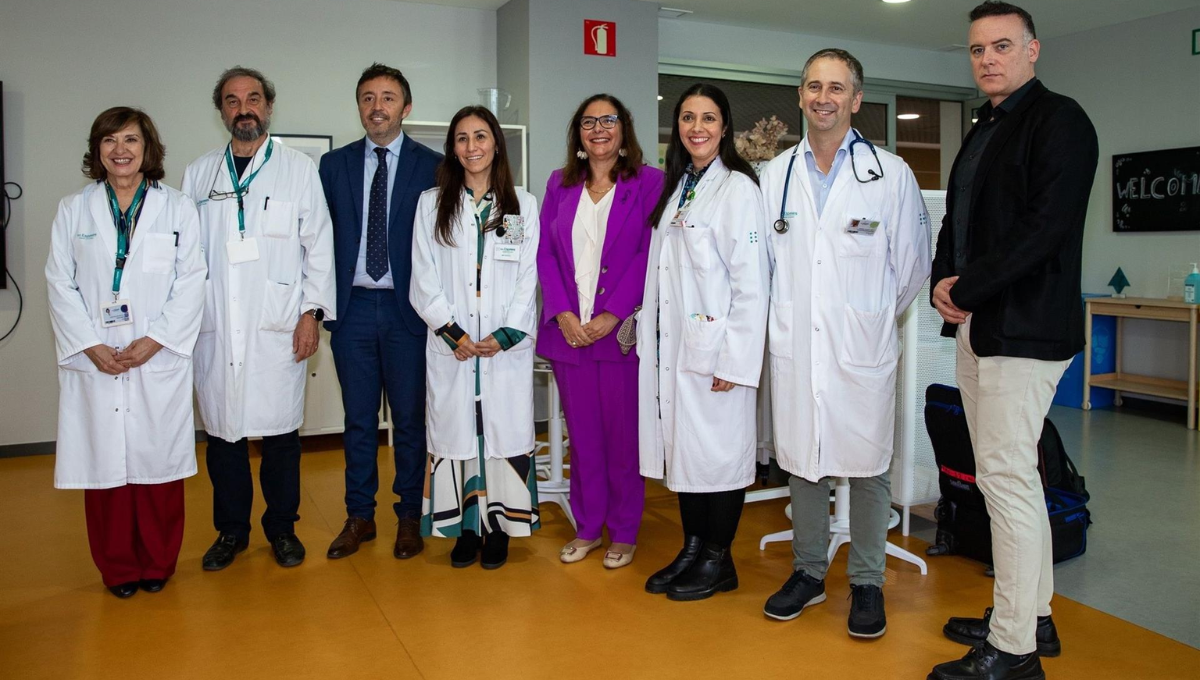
pixel 377 255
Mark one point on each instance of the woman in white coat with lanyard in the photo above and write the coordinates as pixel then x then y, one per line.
pixel 126 285
pixel 700 341
pixel 474 282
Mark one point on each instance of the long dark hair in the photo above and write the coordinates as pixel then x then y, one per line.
pixel 678 157
pixel 626 167
pixel 451 178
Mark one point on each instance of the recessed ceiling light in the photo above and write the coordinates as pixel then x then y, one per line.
pixel 908 116
pixel 894 2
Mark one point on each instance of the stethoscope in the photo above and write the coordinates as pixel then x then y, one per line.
pixel 781 224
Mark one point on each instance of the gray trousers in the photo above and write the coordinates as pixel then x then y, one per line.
pixel 870 506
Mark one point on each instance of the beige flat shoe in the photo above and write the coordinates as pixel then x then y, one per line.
pixel 571 553
pixel 615 560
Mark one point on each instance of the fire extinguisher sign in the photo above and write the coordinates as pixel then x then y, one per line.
pixel 599 38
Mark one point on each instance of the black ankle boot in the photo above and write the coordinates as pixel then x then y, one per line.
pixel 712 572
pixel 495 550
pixel 466 550
pixel 662 578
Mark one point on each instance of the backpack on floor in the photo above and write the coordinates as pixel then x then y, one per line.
pixel 964 527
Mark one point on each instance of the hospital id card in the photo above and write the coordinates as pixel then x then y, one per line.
pixel 119 313
pixel 508 252
pixel 242 250
pixel 862 225
pixel 680 219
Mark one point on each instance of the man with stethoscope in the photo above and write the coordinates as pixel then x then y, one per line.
pixel 849 250
pixel 268 240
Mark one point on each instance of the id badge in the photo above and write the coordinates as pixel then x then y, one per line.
pixel 240 251
pixel 862 225
pixel 514 229
pixel 680 219
pixel 508 252
pixel 119 313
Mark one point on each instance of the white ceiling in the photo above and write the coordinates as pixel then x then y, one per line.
pixel 928 24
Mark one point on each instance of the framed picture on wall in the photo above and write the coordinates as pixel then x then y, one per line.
pixel 313 146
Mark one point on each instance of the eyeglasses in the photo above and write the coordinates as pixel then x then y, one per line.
pixel 607 122
pixel 214 195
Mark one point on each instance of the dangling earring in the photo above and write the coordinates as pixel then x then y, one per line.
pixel 622 153
pixel 581 155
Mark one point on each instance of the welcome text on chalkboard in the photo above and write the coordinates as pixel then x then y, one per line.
pixel 1157 190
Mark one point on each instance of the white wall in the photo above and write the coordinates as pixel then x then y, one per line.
pixel 694 40
pixel 1140 85
pixel 64 61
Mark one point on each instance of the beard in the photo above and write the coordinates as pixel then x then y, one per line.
pixel 244 134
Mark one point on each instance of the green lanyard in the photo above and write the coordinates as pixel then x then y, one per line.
pixel 243 188
pixel 126 224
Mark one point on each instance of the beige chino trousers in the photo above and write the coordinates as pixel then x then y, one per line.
pixel 1005 400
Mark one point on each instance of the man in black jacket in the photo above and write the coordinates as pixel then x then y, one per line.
pixel 1006 279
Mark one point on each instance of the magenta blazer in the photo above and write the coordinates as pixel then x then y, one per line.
pixel 622 262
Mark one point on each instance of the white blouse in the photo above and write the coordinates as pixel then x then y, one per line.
pixel 587 240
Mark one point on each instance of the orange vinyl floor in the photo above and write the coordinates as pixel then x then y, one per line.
pixel 372 616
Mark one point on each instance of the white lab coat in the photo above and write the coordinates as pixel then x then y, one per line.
pixel 134 428
pixel 835 300
pixel 443 290
pixel 716 266
pixel 247 380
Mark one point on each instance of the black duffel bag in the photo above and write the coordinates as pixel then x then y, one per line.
pixel 964 527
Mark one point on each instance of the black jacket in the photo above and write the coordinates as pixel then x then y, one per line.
pixel 1029 201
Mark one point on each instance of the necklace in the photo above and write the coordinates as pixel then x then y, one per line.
pixel 601 192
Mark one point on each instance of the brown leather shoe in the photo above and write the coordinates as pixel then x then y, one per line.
pixel 355 531
pixel 408 539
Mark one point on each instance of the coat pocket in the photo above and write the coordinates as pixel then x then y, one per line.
pixel 779 329
pixel 157 253
pixel 208 318
pixel 869 338
pixel 280 220
pixel 164 361
pixel 701 345
pixel 280 307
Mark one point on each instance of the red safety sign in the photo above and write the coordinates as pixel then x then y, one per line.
pixel 600 38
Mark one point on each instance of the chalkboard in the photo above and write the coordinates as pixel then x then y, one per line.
pixel 1157 190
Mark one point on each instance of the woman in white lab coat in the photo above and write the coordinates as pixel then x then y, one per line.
pixel 126 286
pixel 700 341
pixel 474 282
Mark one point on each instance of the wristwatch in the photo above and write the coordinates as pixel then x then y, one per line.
pixel 318 314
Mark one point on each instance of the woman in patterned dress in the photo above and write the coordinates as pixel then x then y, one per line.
pixel 474 282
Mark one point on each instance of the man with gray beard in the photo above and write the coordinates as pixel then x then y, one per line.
pixel 267 238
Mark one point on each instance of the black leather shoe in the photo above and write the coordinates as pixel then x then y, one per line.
pixel 288 549
pixel 222 552
pixel 867 619
pixel 466 550
pixel 799 592
pixel 985 662
pixel 662 578
pixel 152 585
pixel 712 572
pixel 495 550
pixel 124 590
pixel 972 632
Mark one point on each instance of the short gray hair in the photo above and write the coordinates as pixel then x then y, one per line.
pixel 856 69
pixel 237 72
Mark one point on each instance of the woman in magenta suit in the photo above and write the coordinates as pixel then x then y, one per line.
pixel 592 266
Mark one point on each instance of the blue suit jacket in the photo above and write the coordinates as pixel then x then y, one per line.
pixel 342 178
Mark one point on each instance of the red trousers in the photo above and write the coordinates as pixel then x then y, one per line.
pixel 135 530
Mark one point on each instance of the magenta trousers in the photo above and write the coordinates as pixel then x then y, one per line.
pixel 600 402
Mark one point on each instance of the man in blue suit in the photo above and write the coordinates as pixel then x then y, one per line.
pixel 378 341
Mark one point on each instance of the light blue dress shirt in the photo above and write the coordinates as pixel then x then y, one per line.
pixel 822 183
pixel 371 163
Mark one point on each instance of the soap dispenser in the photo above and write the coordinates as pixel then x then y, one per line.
pixel 1191 286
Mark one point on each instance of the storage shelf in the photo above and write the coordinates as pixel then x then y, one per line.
pixel 1141 384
